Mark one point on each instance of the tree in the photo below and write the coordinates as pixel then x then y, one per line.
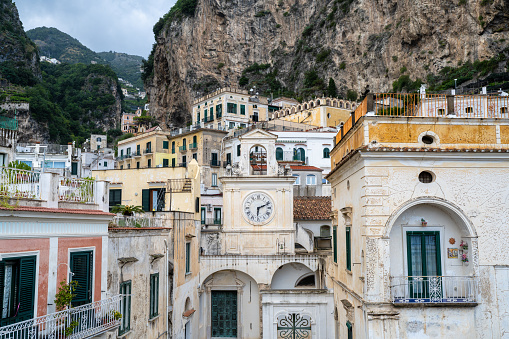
pixel 332 91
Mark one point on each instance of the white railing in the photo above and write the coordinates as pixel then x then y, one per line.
pixel 434 289
pixel 138 221
pixel 76 190
pixel 79 322
pixel 17 183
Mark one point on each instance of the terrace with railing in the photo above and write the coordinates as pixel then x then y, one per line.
pixel 139 221
pixel 17 183
pixel 434 289
pixel 76 190
pixel 79 322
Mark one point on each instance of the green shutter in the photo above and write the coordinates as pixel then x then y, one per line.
pixel 188 257
pixel 348 249
pixel 145 200
pixel 165 144
pixel 81 266
pixel 243 109
pixel 335 243
pixel 26 288
pixel 160 199
pixel 74 168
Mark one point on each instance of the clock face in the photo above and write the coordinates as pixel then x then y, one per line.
pixel 258 207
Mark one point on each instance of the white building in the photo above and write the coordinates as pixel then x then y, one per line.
pixel 62 159
pixel 420 226
pixel 253 283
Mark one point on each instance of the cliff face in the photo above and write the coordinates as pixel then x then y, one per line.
pixel 17 52
pixel 355 42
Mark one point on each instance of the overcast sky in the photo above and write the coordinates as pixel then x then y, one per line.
pixel 101 25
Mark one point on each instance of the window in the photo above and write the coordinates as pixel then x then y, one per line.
pixel 198 118
pixel 149 163
pixel 243 109
pixel 173 162
pixel 184 161
pixel 348 249
pixel 125 322
pixel 188 257
pixel 255 116
pixel 214 161
pixel 165 162
pixel 17 289
pixel 279 153
pixel 214 179
pixel 82 266
pixel 98 139
pixel 149 147
pixel 335 243
pixel 203 215
pixel 74 168
pixel 128 166
pixel 166 144
pixel 469 110
pixel 153 199
pixel 195 141
pixel 231 125
pixel 238 150
pixel 326 152
pixel 154 295
pixel 138 150
pixel 219 110
pixel 425 177
pixel 228 158
pixel 137 164
pixel 211 113
pixel 173 147
pixel 297 180
pixel 105 164
pixel 349 330
pixel 428 139
pixel 423 259
pixel 115 197
pixel 242 125
pixel 299 154
pixel 205 116
pixel 217 216
pixel 231 108
pixel 311 179
pixel 195 156
pixel 121 154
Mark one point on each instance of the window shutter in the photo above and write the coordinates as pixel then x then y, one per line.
pixel 335 243
pixel 81 266
pixel 145 200
pixel 160 199
pixel 26 288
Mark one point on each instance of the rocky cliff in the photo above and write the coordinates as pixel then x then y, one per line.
pixel 206 44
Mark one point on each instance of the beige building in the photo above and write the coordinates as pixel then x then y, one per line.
pixel 146 150
pixel 419 198
pixel 229 108
pixel 98 142
pixel 322 112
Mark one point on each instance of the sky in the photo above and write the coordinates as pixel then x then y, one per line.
pixel 101 25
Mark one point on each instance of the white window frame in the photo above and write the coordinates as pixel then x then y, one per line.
pixel 214 179
pixel 311 180
pixel 297 181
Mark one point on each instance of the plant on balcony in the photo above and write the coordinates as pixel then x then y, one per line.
pixel 127 210
pixel 63 299
pixel 464 245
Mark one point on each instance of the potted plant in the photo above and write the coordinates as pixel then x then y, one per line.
pixel 464 245
pixel 424 223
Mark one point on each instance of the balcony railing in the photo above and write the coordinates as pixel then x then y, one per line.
pixel 17 183
pixel 182 148
pixel 212 221
pixel 148 151
pixel 137 154
pixel 194 145
pixel 76 190
pixel 215 163
pixel 80 322
pixel 138 221
pixel 434 289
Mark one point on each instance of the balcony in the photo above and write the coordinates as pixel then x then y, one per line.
pixel 183 148
pixel 17 183
pixel 138 221
pixel 182 164
pixel 215 163
pixel 79 322
pixel 434 290
pixel 148 151
pixel 76 190
pixel 194 145
pixel 212 222
pixel 137 154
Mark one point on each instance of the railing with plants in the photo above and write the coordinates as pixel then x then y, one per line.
pixel 76 190
pixel 18 183
pixel 79 322
pixel 434 289
pixel 138 221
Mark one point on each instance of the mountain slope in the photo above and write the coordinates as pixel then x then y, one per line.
pixel 61 46
pixel 205 44
pixel 125 65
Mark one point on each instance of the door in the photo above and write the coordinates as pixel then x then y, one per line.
pixel 224 314
pixel 81 267
pixel 424 270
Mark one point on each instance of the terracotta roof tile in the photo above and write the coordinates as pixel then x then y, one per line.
pixel 55 210
pixel 312 208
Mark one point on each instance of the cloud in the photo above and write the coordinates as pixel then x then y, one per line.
pixel 101 25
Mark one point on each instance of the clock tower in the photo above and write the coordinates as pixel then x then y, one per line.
pixel 258 200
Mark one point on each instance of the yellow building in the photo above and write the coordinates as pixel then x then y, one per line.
pixel 155 189
pixel 229 108
pixel 149 149
pixel 323 112
pixel 203 145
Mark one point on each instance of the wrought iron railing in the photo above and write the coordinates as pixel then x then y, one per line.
pixel 215 163
pixel 138 221
pixel 76 190
pixel 434 289
pixel 182 148
pixel 193 145
pixel 79 322
pixel 17 183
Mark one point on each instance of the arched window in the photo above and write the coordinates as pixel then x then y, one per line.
pixel 326 152
pixel 279 153
pixel 194 139
pixel 311 179
pixel 299 154
pixel 184 143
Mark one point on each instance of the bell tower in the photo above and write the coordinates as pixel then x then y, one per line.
pixel 258 200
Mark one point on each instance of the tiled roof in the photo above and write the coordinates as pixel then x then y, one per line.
pixel 311 208
pixel 55 210
pixel 293 167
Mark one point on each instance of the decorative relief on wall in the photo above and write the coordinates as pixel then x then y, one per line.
pixel 371 262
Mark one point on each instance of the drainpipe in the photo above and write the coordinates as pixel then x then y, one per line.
pixel 167 285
